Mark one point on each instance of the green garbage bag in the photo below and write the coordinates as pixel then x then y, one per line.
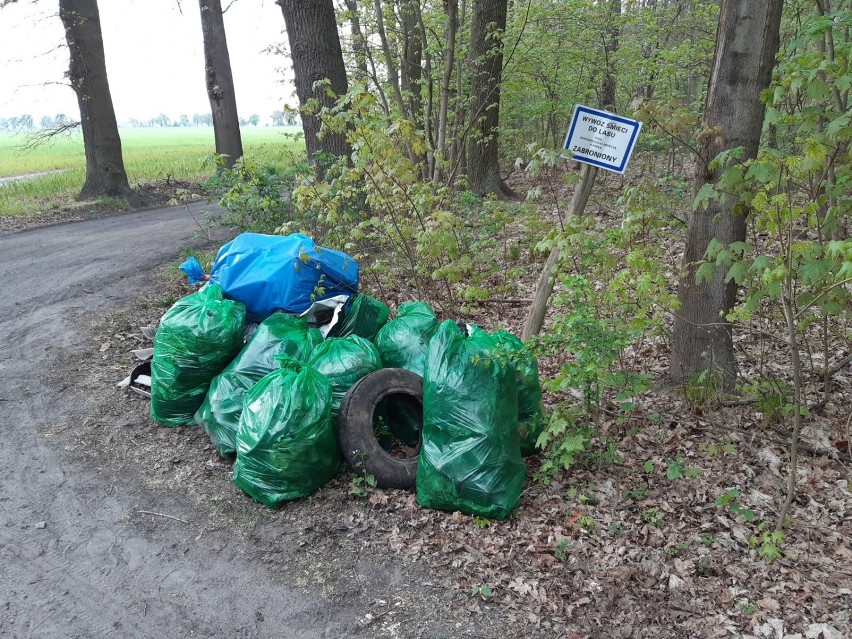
pixel 470 458
pixel 278 334
pixel 530 418
pixel 286 446
pixel 364 319
pixel 343 361
pixel 196 339
pixel 403 341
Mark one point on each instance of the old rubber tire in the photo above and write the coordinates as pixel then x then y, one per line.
pixel 357 439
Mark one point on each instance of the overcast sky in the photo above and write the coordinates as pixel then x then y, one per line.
pixel 154 58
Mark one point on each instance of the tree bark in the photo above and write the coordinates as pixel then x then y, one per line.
pixel 220 83
pixel 486 57
pixel 316 54
pixel 105 174
pixel 610 49
pixel 412 53
pixel 452 8
pixel 746 46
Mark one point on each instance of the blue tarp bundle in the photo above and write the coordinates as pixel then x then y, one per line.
pixel 272 272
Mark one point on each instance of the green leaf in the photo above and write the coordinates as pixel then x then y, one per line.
pixel 817 89
pixel 724 257
pixel 705 194
pixel 815 155
pixel 675 469
pixel 737 272
pixel 746 514
pixel 760 264
pixel 837 129
pixel 731 178
pixel 813 271
pixel 836 248
pixel 741 248
pixel 648 466
pixel 724 500
pixel 714 247
pixel 772 116
pixel 705 273
pixel 763 172
pixel 845 271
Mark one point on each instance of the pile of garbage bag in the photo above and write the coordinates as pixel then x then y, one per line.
pixel 280 360
pixel 278 334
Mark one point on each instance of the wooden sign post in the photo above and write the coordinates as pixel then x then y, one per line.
pixel 598 139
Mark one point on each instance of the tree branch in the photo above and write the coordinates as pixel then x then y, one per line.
pixel 45 136
pixel 821 295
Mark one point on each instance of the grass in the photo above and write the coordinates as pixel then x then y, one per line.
pixel 149 155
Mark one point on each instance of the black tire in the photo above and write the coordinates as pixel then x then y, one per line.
pixel 358 441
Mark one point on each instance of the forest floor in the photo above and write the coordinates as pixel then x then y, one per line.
pixel 633 545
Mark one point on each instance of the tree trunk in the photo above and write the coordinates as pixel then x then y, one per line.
pixel 486 56
pixel 412 54
pixel 370 72
pixel 390 63
pixel 452 8
pixel 359 45
pixel 427 79
pixel 220 83
pixel 316 54
pixel 458 156
pixel 411 76
pixel 105 174
pixel 746 46
pixel 610 49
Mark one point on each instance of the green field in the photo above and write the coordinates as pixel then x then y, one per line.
pixel 149 155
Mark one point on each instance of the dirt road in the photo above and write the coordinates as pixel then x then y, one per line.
pixel 74 562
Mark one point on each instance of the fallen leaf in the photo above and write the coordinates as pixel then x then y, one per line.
pixel 770 605
pixel 676 583
pixel 379 499
pixel 772 629
pixel 817 630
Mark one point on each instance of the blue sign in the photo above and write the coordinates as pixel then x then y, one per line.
pixel 601 139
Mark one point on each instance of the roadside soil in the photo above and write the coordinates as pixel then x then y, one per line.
pixel 117 525
pixel 148 195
